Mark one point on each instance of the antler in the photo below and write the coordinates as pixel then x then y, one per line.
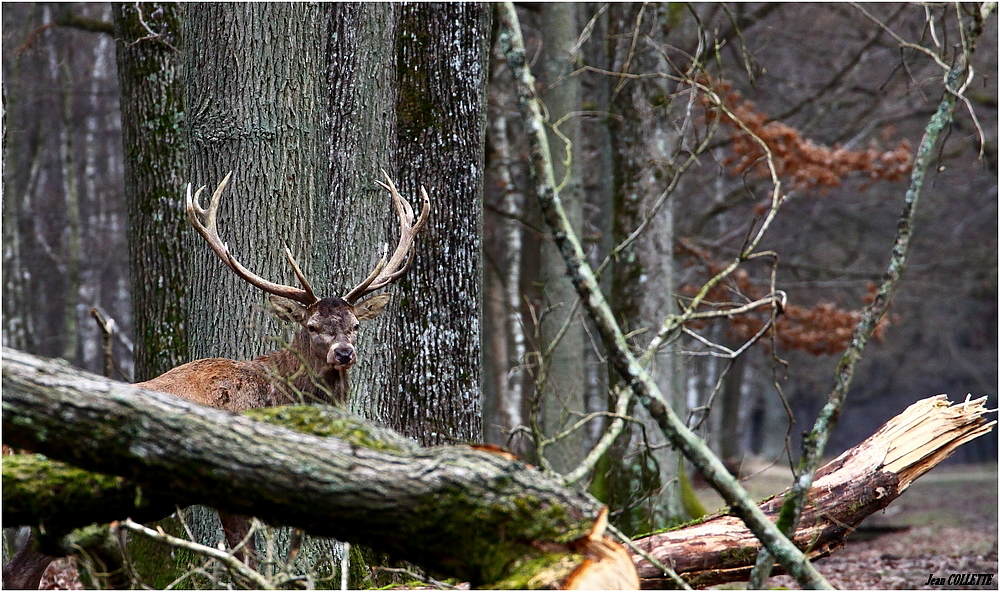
pixel 386 272
pixel 204 222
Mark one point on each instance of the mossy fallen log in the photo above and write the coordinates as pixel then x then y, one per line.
pixel 458 511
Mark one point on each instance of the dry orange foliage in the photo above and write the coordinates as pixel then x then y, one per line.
pixel 804 163
pixel 824 328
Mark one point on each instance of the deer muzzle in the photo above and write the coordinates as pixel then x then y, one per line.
pixel 341 355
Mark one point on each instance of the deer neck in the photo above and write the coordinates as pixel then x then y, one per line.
pixel 297 378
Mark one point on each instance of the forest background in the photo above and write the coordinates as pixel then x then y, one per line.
pixel 639 146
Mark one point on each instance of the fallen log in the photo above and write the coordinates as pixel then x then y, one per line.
pixel 459 511
pixel 467 513
pixel 858 483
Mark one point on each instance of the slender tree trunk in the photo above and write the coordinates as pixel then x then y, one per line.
pixel 442 63
pixel 150 76
pixel 562 399
pixel 730 431
pixel 507 359
pixel 642 277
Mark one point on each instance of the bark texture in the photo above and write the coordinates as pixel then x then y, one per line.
pixel 442 66
pixel 360 84
pixel 256 105
pixel 150 75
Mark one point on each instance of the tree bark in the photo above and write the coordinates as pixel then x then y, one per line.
pixel 442 69
pixel 467 513
pixel 562 395
pixel 642 286
pixel 151 82
pixel 256 105
pixel 360 85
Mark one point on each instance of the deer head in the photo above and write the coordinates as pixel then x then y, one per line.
pixel 328 326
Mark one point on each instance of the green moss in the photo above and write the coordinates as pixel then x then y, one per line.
pixel 327 422
pixel 44 489
pixel 739 555
pixel 538 571
pixel 157 565
pixel 478 525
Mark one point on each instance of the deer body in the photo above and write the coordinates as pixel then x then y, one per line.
pixel 312 369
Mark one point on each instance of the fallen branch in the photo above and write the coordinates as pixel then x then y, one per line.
pixel 858 483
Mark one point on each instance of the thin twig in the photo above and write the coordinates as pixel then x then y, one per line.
pixel 224 557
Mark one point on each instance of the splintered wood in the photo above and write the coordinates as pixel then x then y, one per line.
pixel 848 489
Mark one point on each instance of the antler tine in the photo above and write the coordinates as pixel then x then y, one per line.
pixel 311 296
pixel 204 221
pixel 389 271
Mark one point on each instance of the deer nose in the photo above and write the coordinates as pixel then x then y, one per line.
pixel 343 355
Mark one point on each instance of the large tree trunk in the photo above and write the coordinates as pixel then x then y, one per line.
pixel 361 82
pixel 462 512
pixel 256 105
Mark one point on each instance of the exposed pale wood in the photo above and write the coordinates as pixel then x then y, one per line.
pixel 846 490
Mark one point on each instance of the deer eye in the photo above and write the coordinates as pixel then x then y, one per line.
pixel 313 329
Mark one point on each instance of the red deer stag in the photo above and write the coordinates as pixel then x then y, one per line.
pixel 313 368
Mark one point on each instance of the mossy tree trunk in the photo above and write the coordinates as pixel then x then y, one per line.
pixel 642 273
pixel 150 77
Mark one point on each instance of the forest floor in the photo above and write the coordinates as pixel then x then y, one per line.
pixel 944 524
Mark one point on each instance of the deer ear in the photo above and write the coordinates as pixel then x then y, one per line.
pixel 370 308
pixel 286 309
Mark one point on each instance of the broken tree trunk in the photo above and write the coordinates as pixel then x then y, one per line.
pixel 462 512
pixel 848 489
